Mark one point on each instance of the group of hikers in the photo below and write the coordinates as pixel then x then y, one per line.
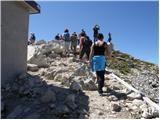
pixel 72 41
pixel 98 52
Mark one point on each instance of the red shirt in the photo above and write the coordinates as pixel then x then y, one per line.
pixel 82 39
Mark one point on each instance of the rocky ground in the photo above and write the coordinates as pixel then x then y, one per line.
pixel 142 75
pixel 58 86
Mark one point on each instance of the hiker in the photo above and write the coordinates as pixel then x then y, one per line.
pixel 95 32
pixel 61 37
pixel 85 44
pixel 98 56
pixel 57 37
pixel 82 32
pixel 109 41
pixel 32 39
pixel 74 42
pixel 66 38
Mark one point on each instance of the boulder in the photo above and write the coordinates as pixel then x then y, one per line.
pixel 70 101
pixel 70 98
pixel 61 109
pixel 42 71
pixel 52 106
pixel 40 42
pixel 49 96
pixel 36 56
pixel 56 46
pixel 82 71
pixel 150 112
pixel 32 67
pixel 89 84
pixel 60 77
pixel 2 106
pixel 27 109
pixel 23 75
pixel 71 105
pixel 134 95
pixel 115 107
pixel 31 51
pixel 40 60
pixel 34 115
pixel 76 86
pixel 112 98
pixel 53 55
pixel 138 102
pixel 16 112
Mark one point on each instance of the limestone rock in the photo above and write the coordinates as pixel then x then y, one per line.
pixel 104 89
pixel 76 86
pixel 134 95
pixel 70 101
pixel 32 67
pixel 70 98
pixel 60 77
pixel 82 71
pixel 138 102
pixel 42 71
pixel 40 42
pixel 34 115
pixel 31 51
pixel 150 112
pixel 23 76
pixel 112 98
pixel 2 106
pixel 39 60
pixel 115 107
pixel 52 106
pixel 48 97
pixel 61 109
pixel 90 85
pixel 16 112
pixel 71 105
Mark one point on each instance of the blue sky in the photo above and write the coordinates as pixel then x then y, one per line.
pixel 133 25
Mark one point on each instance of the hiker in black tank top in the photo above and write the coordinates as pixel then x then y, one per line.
pixel 100 48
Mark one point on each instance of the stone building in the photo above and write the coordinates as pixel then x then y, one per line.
pixel 14 37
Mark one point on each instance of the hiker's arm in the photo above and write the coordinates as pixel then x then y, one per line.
pixel 91 53
pixel 108 52
pixel 81 42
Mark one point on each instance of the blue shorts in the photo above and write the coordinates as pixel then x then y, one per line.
pixel 98 63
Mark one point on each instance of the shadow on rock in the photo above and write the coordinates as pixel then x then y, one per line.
pixel 30 97
pixel 114 95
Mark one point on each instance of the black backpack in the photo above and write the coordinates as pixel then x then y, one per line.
pixel 87 42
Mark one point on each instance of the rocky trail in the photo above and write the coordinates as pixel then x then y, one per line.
pixel 57 86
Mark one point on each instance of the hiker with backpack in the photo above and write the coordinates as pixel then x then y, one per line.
pixel 85 44
pixel 99 55
pixel 74 42
pixel 110 41
pixel 95 32
pixel 32 39
pixel 67 42
pixel 57 37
